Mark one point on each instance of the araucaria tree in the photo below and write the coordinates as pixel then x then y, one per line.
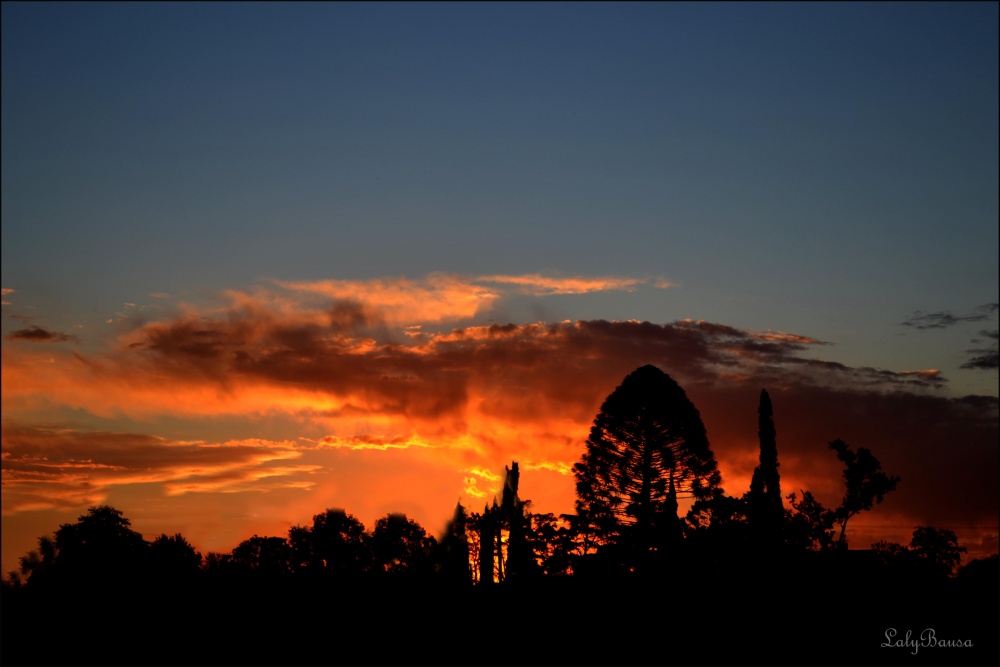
pixel 646 448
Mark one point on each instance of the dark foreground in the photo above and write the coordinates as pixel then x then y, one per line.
pixel 798 619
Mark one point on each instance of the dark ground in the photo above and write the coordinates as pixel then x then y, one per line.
pixel 801 620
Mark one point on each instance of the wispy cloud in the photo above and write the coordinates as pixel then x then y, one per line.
pixel 443 297
pixel 64 467
pixel 542 285
pixel 373 442
pixel 944 319
pixel 4 292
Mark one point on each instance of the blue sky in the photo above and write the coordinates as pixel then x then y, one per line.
pixel 823 169
pixel 810 167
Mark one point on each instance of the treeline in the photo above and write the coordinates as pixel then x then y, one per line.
pixel 647 450
pixel 625 563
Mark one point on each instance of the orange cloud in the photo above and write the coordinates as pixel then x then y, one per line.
pixel 437 298
pixel 542 285
pixel 60 467
pixel 442 297
pixel 351 368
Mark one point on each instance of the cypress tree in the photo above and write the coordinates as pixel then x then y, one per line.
pixel 766 511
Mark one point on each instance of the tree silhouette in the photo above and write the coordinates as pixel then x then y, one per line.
pixel 268 556
pixel 489 557
pixel 937 548
pixel 37 565
pixel 646 447
pixel 764 508
pixel 719 525
pixel 400 546
pixel 811 524
pixel 520 561
pixel 336 544
pixel 101 545
pixel 808 524
pixel 867 484
pixel 932 552
pixel 174 556
pixel 451 556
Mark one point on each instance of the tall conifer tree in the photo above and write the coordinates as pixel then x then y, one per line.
pixel 766 511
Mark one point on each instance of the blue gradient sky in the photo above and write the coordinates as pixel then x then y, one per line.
pixel 824 169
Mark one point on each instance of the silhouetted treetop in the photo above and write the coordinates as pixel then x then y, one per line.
pixel 335 543
pixel 101 542
pixel 270 556
pixel 400 545
pixel 451 557
pixel 174 555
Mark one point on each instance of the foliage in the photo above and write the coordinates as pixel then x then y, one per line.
pixel 808 525
pixel 552 544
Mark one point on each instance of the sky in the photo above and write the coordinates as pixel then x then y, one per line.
pixel 262 259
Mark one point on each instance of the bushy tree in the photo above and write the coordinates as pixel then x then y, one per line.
pixel 932 552
pixel 37 564
pixel 268 556
pixel 808 524
pixel 719 525
pixel 400 546
pixel 173 556
pixel 938 548
pixel 866 484
pixel 101 545
pixel 336 544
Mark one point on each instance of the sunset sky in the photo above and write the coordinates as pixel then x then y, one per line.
pixel 261 259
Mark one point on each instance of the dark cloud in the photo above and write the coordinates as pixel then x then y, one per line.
pixel 432 376
pixel 944 449
pixel 36 334
pixel 530 391
pixel 944 319
pixel 986 359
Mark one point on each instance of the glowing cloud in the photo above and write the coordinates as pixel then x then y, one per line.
pixel 357 379
pixel 49 467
